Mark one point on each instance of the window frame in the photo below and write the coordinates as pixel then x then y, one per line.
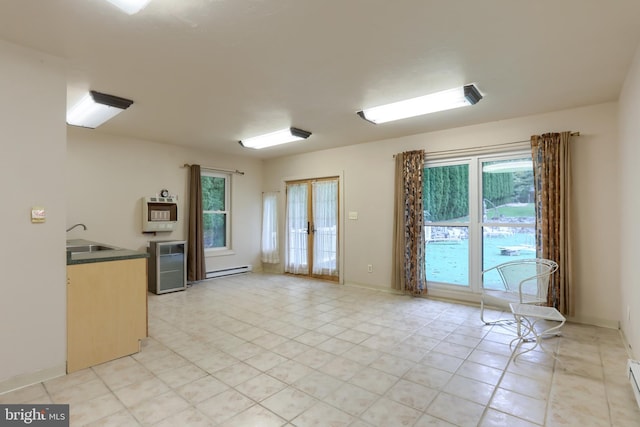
pixel 482 223
pixel 469 224
pixel 227 249
pixel 476 224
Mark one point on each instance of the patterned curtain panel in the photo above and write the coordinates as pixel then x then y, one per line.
pixel 552 181
pixel 409 243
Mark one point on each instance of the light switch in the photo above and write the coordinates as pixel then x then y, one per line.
pixel 353 215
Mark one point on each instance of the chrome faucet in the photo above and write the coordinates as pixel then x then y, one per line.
pixel 76 225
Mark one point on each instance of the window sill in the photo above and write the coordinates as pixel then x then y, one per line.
pixel 218 252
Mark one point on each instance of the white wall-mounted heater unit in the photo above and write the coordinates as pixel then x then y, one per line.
pixel 159 213
pixel 228 271
pixel 633 371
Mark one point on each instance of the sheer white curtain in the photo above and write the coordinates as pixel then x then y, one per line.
pixel 325 222
pixel 297 229
pixel 270 228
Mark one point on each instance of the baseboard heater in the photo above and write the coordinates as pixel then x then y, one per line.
pixel 228 271
pixel 633 371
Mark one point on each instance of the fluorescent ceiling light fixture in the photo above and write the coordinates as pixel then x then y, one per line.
pixel 275 138
pixel 130 7
pixel 95 108
pixel 439 101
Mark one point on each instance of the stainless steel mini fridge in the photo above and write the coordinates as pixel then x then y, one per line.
pixel 167 267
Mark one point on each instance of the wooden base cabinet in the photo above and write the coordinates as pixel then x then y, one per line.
pixel 106 311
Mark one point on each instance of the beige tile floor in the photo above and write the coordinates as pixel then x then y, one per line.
pixel 271 350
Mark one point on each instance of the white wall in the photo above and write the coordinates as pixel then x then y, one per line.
pixel 33 285
pixel 107 176
pixel 630 206
pixel 368 171
pixel 103 178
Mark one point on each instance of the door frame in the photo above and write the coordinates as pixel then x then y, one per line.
pixel 472 292
pixel 311 225
pixel 341 217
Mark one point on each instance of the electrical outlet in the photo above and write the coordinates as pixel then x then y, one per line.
pixel 370 268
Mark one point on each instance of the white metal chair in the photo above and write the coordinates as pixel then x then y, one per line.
pixel 524 281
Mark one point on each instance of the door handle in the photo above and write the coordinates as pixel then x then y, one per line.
pixel 308 227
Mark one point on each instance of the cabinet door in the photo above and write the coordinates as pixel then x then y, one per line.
pixel 106 311
pixel 171 266
pixel 167 267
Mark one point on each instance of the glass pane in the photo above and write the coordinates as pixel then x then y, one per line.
pixel 507 198
pixel 507 191
pixel 446 193
pixel 447 255
pixel 213 193
pixel 325 224
pixel 215 230
pixel 502 244
pixel 297 229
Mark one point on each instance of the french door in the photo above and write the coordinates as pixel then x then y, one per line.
pixel 312 228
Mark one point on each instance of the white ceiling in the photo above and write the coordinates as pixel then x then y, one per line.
pixel 206 73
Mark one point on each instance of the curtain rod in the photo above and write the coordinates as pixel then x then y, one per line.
pixel 481 149
pixel 529 140
pixel 187 165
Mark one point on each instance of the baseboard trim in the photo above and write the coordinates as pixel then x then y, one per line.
pixel 627 345
pixel 229 271
pixel 373 288
pixel 20 381
pixel 594 321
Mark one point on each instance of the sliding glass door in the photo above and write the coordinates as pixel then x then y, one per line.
pixel 478 213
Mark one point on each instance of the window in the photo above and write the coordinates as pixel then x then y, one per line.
pixel 508 213
pixel 446 218
pixel 478 213
pixel 216 210
pixel 269 242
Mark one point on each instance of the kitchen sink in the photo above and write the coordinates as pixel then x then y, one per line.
pixel 88 248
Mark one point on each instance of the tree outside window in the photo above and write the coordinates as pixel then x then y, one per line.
pixel 215 209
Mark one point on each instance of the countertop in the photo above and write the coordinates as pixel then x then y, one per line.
pixel 115 254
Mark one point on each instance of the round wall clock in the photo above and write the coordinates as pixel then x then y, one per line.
pixel 164 192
